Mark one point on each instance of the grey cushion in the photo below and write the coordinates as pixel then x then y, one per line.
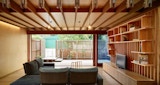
pixel 31 68
pixel 83 76
pixel 54 76
pixel 27 80
pixel 39 61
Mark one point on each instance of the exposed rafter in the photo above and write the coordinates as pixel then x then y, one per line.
pixel 88 15
pixel 136 7
pixel 61 9
pixel 17 8
pixel 7 12
pixel 106 14
pixel 46 8
pixel 33 9
pixel 106 8
pixel 14 24
pixel 75 19
pixel 13 20
pixel 120 8
pixel 76 10
pixel 155 3
pixel 69 32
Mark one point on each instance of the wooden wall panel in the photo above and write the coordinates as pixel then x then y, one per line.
pixel 137 43
pixel 158 45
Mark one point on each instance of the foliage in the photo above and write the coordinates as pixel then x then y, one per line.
pixel 36 37
pixel 75 37
pixel 102 37
pixel 66 36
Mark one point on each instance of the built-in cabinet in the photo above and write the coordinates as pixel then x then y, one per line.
pixel 136 40
pixel 126 77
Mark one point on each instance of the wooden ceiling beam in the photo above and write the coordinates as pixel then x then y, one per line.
pixel 136 7
pixel 47 9
pixel 13 20
pixel 120 8
pixel 7 12
pixel 61 9
pixel 33 9
pixel 91 8
pixel 65 10
pixel 18 9
pixel 13 24
pixel 69 32
pixel 130 15
pixel 106 8
pixel 75 18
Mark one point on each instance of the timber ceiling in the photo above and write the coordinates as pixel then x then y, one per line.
pixel 68 15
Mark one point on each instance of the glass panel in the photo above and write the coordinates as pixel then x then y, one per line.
pixel 103 49
pixel 69 46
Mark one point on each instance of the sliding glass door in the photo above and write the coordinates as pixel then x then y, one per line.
pixel 103 49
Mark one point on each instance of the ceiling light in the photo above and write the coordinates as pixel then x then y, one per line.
pixel 89 27
pixel 147 3
pixel 48 26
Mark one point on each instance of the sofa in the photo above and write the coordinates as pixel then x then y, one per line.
pixel 70 76
pixel 32 74
pixel 38 74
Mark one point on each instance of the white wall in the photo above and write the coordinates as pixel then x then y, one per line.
pixel 13 48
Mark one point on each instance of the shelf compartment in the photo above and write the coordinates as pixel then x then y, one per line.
pixel 110 32
pixel 117 38
pixel 145 34
pixel 146 21
pixel 141 64
pixel 114 35
pixel 144 28
pixel 146 47
pixel 130 37
pixel 142 52
pixel 131 41
pixel 123 29
pixel 111 39
pixel 134 25
pixel 116 31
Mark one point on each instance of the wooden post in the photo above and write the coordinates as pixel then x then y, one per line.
pixel 29 47
pixel 95 49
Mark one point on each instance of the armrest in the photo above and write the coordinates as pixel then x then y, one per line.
pixel 99 80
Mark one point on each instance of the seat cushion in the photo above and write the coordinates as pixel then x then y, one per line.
pixel 27 80
pixel 31 68
pixel 83 75
pixel 54 75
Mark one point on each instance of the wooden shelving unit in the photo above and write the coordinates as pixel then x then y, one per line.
pixel 135 39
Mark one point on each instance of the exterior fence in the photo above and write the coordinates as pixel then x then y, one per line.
pixel 74 49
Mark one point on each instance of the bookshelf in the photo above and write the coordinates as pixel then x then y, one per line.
pixel 135 39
